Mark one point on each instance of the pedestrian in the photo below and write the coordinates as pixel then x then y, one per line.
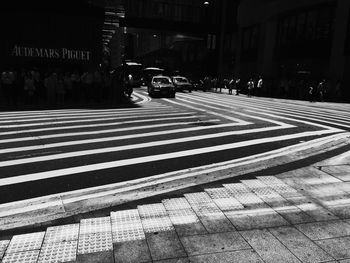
pixel 311 93
pixel 29 88
pixel 322 89
pixel 207 84
pixel 231 86
pixel 76 87
pixel 238 86
pixel 215 84
pixel 259 87
pixel 60 90
pixel 250 87
pixel 7 84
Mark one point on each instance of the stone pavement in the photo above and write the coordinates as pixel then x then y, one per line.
pixel 297 216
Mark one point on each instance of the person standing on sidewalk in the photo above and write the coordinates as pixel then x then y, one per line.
pixel 250 87
pixel 231 85
pixel 322 89
pixel 311 93
pixel 7 83
pixel 238 86
pixel 259 86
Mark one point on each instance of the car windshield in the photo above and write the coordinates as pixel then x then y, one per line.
pixel 162 80
pixel 181 80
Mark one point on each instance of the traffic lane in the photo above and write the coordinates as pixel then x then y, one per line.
pixel 36 161
pixel 105 176
pixel 116 138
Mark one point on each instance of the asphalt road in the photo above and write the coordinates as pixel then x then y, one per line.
pixel 55 151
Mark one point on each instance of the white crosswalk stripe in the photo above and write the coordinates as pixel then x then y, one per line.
pixel 193 130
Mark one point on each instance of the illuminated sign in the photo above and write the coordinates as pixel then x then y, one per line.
pixel 51 53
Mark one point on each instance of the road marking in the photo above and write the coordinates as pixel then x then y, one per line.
pixel 254 110
pixel 230 111
pixel 97 125
pixel 263 104
pixel 115 188
pixel 68 116
pixel 63 112
pixel 211 112
pixel 146 159
pixel 98 132
pixel 175 114
pixel 124 147
pixel 143 98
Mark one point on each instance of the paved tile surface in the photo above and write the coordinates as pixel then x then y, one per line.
pixel 300 245
pixel 265 219
pixel 211 243
pixel 269 247
pixel 336 247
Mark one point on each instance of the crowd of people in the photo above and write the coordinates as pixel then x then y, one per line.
pixel 304 89
pixel 52 88
pixel 70 88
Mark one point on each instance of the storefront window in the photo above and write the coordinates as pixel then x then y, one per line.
pixel 311 25
pixel 306 25
pixel 300 29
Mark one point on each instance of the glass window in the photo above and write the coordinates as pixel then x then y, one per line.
pixel 300 28
pixel 246 39
pixel 311 24
pixel 291 28
pixel 324 24
pixel 254 37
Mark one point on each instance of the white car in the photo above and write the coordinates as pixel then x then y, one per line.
pixel 161 86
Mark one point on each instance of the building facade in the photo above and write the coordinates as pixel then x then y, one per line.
pixel 53 34
pixel 177 34
pixel 295 44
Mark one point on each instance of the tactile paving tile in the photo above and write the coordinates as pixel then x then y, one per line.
pixel 176 204
pixel 58 252
pixel 237 189
pixel 125 216
pixel 210 210
pixel 93 243
pixel 157 224
pixel 198 198
pixel 183 216
pixel 277 184
pixel 127 226
pixel 260 188
pixel 3 246
pixel 91 229
pixel 223 199
pixel 62 233
pixel 26 242
pixel 218 193
pixel 128 232
pixel 96 221
pixel 152 210
pixel 227 204
pixel 95 225
pixel 22 257
pixel 243 194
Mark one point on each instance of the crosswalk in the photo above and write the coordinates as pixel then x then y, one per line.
pixel 54 151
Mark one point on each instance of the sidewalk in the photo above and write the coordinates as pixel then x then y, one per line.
pixel 297 216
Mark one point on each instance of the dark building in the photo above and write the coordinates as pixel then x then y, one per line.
pixel 175 34
pixel 294 44
pixel 51 34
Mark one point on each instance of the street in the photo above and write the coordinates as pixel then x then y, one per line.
pixel 56 151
